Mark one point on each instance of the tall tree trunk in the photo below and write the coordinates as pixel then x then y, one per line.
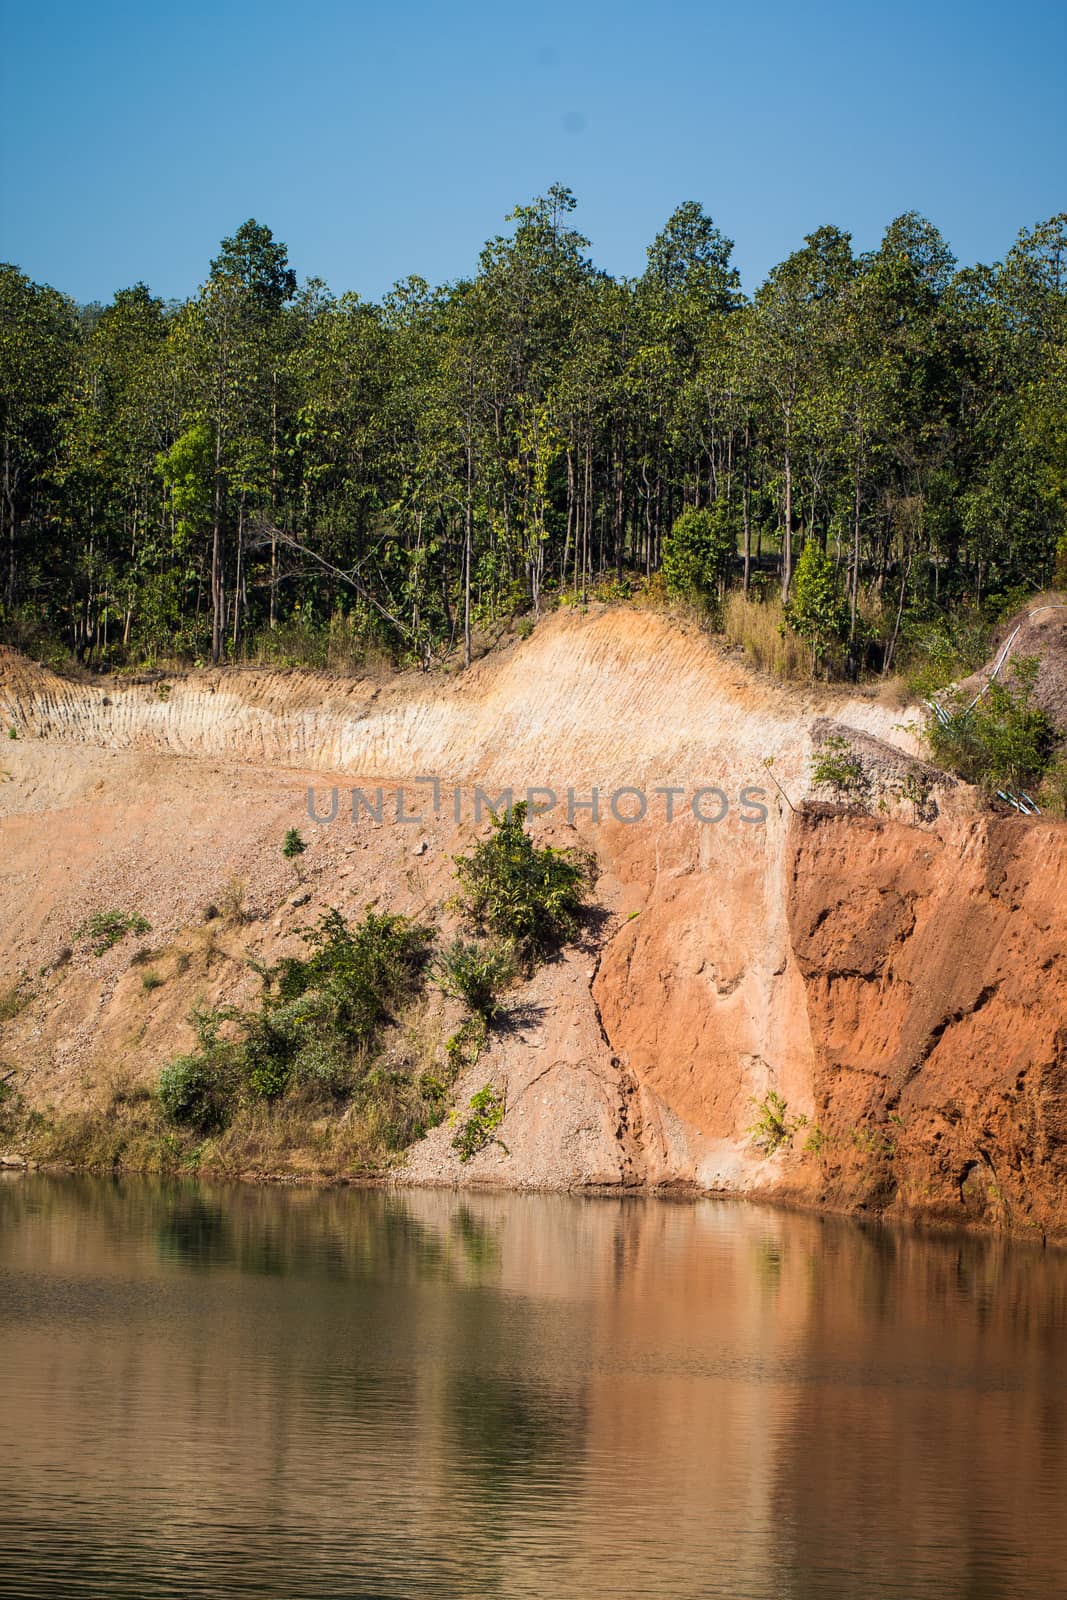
pixel 468 539
pixel 854 584
pixel 747 519
pixel 787 531
pixel 218 593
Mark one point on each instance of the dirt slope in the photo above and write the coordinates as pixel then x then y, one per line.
pixel 868 969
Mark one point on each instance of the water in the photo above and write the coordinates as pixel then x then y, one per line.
pixel 228 1392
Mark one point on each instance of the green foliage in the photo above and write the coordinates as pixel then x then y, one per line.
pixel 839 768
pixel 465 1045
pixel 353 975
pixel 151 980
pixel 478 1130
pixel 698 551
pixel 528 894
pixel 940 651
pixel 475 973
pixel 105 928
pixel 293 845
pixel 281 474
pixel 1004 741
pixel 815 609
pixel 1052 796
pixel 773 1126
pixel 315 1035
pixel 197 1092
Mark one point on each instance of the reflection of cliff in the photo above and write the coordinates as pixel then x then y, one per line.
pixel 932 1430
pixel 898 982
pixel 297 1393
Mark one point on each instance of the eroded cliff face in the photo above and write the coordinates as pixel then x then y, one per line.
pixel 934 965
pixel 896 978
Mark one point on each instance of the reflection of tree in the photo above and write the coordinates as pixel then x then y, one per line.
pixel 509 1430
pixel 194 1231
pixel 480 1243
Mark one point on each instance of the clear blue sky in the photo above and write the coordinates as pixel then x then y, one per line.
pixel 378 142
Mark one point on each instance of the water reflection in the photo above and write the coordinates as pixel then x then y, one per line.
pixel 287 1393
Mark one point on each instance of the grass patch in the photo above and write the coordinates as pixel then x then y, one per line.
pixel 105 928
pixel 759 628
pixel 838 768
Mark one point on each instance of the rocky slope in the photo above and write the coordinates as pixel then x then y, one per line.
pixel 895 974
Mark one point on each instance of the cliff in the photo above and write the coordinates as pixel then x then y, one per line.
pixel 887 979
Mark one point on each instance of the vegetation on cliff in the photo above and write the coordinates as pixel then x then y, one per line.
pixel 341 1056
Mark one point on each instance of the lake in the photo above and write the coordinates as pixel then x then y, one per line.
pixel 241 1391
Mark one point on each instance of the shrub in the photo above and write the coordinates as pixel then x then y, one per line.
pixel 150 981
pixel 814 609
pixel 773 1126
pixel 232 906
pixel 837 767
pixel 105 928
pixel 293 844
pixel 531 895
pixel 316 1030
pixel 197 1092
pixel 697 553
pixel 465 1045
pixel 1004 741
pixel 474 973
pixel 354 975
pixel 479 1129
pixel 939 652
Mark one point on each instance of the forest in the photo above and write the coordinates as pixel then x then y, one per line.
pixel 869 449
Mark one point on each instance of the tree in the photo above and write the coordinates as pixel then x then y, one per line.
pixel 815 609
pixel 259 264
pixel 698 552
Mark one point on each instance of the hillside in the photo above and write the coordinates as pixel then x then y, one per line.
pixel 895 973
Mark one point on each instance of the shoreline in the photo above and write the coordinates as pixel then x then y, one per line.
pixel 672 1193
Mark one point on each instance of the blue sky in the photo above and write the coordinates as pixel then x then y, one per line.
pixel 380 142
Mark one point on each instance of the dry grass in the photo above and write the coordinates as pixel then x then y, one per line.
pixel 759 628
pixel 14 997
pixel 233 903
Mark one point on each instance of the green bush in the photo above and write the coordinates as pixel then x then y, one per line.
pixel 105 928
pixel 938 652
pixel 1004 741
pixel 479 1129
pixel 527 894
pixel 354 975
pixel 839 768
pixel 194 1090
pixel 474 973
pixel 315 1032
pixel 815 610
pixel 293 845
pixel 697 553
pixel 773 1126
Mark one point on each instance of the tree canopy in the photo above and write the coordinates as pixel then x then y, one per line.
pixel 269 461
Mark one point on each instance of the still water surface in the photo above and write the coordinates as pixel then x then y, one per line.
pixel 216 1392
